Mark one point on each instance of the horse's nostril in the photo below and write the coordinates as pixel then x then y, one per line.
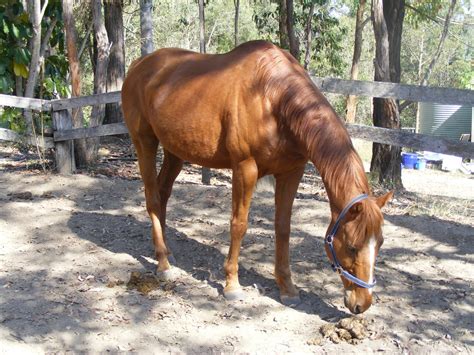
pixel 357 309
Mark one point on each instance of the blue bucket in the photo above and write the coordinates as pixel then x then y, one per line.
pixel 420 164
pixel 409 160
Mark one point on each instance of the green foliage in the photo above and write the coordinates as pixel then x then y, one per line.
pixel 454 67
pixel 422 10
pixel 14 53
pixel 328 36
pixel 15 56
pixel 12 118
pixel 265 16
pixel 327 32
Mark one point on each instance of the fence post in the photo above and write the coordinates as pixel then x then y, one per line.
pixel 64 150
pixel 206 176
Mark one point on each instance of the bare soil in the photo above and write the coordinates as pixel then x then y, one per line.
pixel 76 267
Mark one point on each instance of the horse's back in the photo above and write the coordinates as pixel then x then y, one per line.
pixel 168 66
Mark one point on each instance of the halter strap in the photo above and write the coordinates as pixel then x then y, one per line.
pixel 336 266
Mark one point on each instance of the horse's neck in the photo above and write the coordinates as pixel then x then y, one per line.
pixel 343 181
pixel 331 151
pixel 340 196
pixel 312 120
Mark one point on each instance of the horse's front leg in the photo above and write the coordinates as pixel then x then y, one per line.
pixel 244 178
pixel 285 191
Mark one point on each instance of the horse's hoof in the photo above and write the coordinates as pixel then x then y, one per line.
pixel 170 274
pixel 235 295
pixel 290 301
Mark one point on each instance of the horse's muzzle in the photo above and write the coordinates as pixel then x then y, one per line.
pixel 357 300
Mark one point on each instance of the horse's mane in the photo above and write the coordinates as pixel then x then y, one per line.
pixel 300 106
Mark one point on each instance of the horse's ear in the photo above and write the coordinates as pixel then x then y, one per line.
pixel 382 200
pixel 354 211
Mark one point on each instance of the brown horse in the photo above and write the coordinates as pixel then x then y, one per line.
pixel 256 111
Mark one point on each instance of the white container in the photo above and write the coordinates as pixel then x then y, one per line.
pixel 451 163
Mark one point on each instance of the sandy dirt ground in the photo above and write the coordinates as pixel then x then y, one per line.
pixel 70 245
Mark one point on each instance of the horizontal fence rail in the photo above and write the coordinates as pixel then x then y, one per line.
pixel 25 102
pixel 12 136
pixel 90 100
pixel 99 131
pixel 396 91
pixel 415 141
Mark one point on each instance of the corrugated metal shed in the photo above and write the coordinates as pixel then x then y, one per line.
pixel 449 121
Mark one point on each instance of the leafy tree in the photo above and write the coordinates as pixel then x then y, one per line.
pixel 324 52
pixel 436 48
pixel 19 69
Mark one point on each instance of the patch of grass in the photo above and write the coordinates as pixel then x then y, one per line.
pixel 447 208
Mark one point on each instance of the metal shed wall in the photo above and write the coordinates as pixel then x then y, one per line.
pixel 448 121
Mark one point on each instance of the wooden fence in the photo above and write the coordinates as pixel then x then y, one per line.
pixel 64 134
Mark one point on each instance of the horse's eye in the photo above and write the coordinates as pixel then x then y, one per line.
pixel 352 249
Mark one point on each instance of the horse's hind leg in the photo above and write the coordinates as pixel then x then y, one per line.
pixel 146 146
pixel 285 191
pixel 170 170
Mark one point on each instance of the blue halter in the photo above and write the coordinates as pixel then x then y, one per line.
pixel 336 266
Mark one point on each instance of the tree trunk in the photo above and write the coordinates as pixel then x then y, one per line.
pixel 290 22
pixel 202 28
pixel 35 12
pixel 100 75
pixel 309 36
pixel 282 25
pixel 394 13
pixel 205 172
pixel 116 67
pixel 236 22
pixel 386 160
pixel 47 37
pixel 352 99
pixel 146 26
pixel 75 73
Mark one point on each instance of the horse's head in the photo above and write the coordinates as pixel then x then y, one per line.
pixel 356 243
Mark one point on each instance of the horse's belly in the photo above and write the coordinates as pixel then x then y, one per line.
pixel 196 139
